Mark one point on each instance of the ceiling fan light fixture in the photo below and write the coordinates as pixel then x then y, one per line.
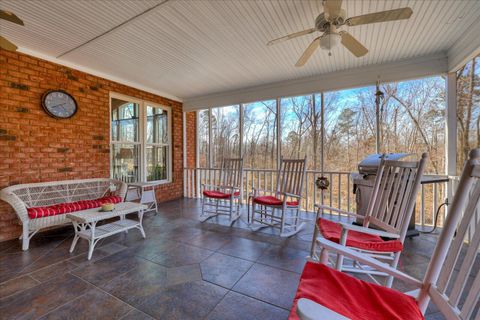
pixel 330 40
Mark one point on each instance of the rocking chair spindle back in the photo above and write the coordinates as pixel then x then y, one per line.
pixel 270 207
pixel 219 199
pixel 290 177
pixel 393 201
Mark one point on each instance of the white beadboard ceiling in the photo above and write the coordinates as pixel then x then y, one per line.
pixel 194 48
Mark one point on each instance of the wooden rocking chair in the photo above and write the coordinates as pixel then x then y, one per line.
pixel 286 197
pixel 451 282
pixel 389 211
pixel 220 199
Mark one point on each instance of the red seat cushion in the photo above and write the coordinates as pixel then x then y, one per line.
pixel 272 201
pixel 218 194
pixel 62 208
pixel 351 297
pixel 332 231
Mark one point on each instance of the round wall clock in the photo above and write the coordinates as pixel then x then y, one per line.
pixel 59 104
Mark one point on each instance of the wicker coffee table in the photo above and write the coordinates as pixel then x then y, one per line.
pixel 84 223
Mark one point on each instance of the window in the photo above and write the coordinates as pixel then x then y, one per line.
pixel 300 129
pixel 349 127
pixel 203 138
pixel 140 140
pixel 468 110
pixel 225 133
pixel 259 134
pixel 157 143
pixel 413 119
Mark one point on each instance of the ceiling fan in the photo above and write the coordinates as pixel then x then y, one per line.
pixel 333 18
pixel 9 16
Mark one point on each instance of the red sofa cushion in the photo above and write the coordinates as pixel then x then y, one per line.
pixel 351 297
pixel 218 194
pixel 332 231
pixel 272 201
pixel 62 208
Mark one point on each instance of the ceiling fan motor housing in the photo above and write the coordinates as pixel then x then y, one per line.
pixel 323 22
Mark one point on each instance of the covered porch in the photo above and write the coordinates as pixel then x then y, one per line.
pixel 105 102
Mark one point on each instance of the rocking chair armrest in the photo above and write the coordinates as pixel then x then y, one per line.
pixel 310 310
pixel 324 207
pixel 286 194
pixel 367 260
pixel 375 232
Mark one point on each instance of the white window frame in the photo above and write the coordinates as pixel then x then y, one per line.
pixel 142 124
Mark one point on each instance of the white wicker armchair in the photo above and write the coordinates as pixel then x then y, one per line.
pixel 24 196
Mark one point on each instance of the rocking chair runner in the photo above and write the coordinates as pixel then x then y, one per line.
pixel 451 283
pixel 220 199
pixel 286 197
pixel 390 208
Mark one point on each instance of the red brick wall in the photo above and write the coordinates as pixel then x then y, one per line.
pixel 36 147
pixel 191 140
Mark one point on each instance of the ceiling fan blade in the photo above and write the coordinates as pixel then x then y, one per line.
pixel 10 16
pixel 382 16
pixel 291 36
pixel 308 52
pixel 353 45
pixel 332 8
pixel 7 45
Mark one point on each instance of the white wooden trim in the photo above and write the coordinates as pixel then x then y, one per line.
pixel 142 123
pixel 419 67
pixel 451 131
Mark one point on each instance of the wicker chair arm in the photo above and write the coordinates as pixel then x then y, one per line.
pixel 17 205
pixel 122 191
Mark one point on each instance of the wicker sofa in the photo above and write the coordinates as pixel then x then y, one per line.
pixel 45 204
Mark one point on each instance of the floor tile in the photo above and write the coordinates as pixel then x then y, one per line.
pixel 136 315
pixel 139 283
pixel 53 270
pixel 180 255
pixel 224 270
pixel 269 284
pixel 94 304
pixel 244 248
pixel 209 240
pixel 192 300
pixel 39 300
pixel 16 285
pixel 104 270
pixel 183 274
pixel 284 258
pixel 236 306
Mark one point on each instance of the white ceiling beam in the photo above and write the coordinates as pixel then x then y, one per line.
pixel 465 48
pixel 364 76
pixel 117 27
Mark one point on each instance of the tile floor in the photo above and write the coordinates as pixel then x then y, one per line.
pixel 183 270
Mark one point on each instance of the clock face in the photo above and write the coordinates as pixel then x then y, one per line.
pixel 59 104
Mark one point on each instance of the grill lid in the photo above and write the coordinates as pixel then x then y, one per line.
pixel 370 164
